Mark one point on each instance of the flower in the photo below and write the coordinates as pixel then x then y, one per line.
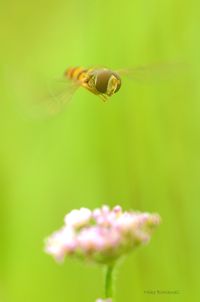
pixel 78 218
pixel 61 242
pixel 102 235
pixel 102 300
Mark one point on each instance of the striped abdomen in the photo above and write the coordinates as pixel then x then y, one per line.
pixel 76 73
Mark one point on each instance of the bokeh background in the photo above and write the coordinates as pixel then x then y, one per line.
pixel 140 150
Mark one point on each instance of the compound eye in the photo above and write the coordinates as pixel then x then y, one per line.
pixel 102 79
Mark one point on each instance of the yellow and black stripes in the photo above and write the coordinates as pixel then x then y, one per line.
pixel 76 73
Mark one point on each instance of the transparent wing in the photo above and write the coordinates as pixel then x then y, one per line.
pixel 60 92
pixel 153 72
pixel 38 98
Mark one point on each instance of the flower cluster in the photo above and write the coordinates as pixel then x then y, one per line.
pixel 102 300
pixel 101 235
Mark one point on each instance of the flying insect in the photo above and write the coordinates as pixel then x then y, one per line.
pixel 100 81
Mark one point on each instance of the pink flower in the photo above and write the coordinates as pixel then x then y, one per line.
pixel 102 300
pixel 78 218
pixel 102 235
pixel 61 242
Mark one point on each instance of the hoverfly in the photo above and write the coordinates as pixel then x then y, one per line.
pixel 102 82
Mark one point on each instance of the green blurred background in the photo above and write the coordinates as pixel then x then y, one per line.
pixel 140 150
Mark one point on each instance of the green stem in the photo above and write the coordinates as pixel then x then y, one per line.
pixel 109 282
